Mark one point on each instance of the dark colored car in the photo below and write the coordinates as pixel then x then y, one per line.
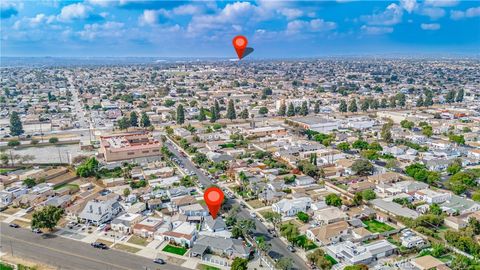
pixel 99 245
pixel 291 248
pixel 13 225
pixel 159 261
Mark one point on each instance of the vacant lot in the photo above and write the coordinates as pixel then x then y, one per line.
pixel 126 248
pixel 175 250
pixel 375 226
pixel 137 240
pixel 256 204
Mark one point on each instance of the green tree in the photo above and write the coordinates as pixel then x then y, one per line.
pixel 383 103
pixel 13 143
pixel 343 146
pixel 450 96
pixel 201 116
pixel 365 105
pixel 239 264
pixel 47 217
pixel 200 158
pixel 289 231
pixel 304 108
pixel 145 120
pixel 420 101
pixel 343 106
pixel 244 114
pixel 393 102
pixel 263 111
pixel 386 132
pixel 316 108
pixel 454 167
pixel 428 98
pixel 273 217
pixel 180 114
pixel 213 117
pixel 407 124
pixel 133 119
pixel 123 123
pixel 217 110
pixel 458 139
pixel 427 131
pixel 16 127
pixel 88 168
pixel 126 192
pixel 362 167
pixel 353 106
pixel 282 110
pixel 53 140
pixel 368 195
pixel 360 144
pixel 401 98
pixel 333 199
pixel 29 182
pixel 302 216
pixel 460 94
pixel 284 263
pixel 318 257
pixel 291 110
pixel 231 114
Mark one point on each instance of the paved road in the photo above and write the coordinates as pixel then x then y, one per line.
pixel 279 249
pixel 69 254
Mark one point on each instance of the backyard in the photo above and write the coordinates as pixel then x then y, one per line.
pixel 175 250
pixel 305 243
pixel 376 226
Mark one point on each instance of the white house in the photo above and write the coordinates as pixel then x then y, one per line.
pixel 291 207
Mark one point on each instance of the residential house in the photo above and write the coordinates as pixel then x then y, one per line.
pixel 147 227
pixel 124 223
pixel 290 207
pixel 329 215
pixel 329 233
pixel 99 211
pixel 228 247
pixel 358 253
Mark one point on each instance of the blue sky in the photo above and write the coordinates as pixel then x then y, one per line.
pixel 206 28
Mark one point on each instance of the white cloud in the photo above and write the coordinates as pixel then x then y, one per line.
pixel 291 13
pixel 34 21
pixel 390 16
pixel 376 30
pixel 316 25
pixel 102 3
pixel 152 17
pixel 430 26
pixel 442 3
pixel 469 13
pixel 232 14
pixel 187 10
pixel 74 11
pixel 408 5
pixel 433 13
pixel 108 29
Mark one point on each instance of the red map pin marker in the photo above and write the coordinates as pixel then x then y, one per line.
pixel 213 196
pixel 240 43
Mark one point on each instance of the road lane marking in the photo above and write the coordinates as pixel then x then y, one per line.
pixel 65 252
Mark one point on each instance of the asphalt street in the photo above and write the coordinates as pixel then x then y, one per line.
pixel 279 249
pixel 64 253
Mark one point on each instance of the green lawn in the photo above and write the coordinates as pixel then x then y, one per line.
pixel 75 186
pixel 375 226
pixel 175 250
pixel 331 259
pixel 305 243
pixel 207 267
pixel 5 266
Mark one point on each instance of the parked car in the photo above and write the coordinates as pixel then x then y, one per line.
pixel 37 231
pixel 291 248
pixel 99 245
pixel 159 261
pixel 13 225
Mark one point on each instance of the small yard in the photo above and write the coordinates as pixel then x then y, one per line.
pixel 305 243
pixel 206 267
pixel 137 240
pixel 331 259
pixel 126 248
pixel 256 204
pixel 376 226
pixel 175 250
pixel 71 186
